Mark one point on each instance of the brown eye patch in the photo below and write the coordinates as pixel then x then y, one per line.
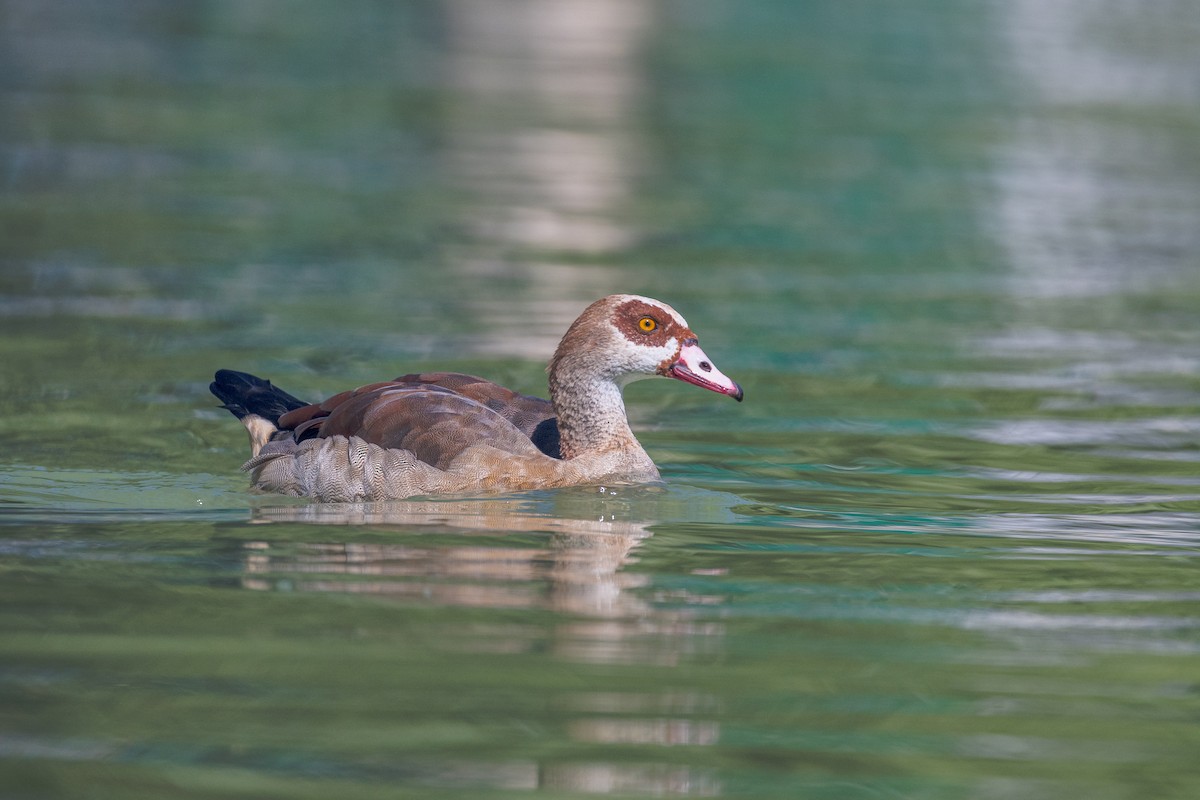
pixel 645 324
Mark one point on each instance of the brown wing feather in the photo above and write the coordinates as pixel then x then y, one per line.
pixel 433 423
pixel 312 415
pixel 524 411
pixel 436 416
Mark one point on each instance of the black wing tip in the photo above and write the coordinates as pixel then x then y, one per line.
pixel 243 394
pixel 231 379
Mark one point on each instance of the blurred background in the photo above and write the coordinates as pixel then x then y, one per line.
pixel 826 187
pixel 399 181
pixel 946 548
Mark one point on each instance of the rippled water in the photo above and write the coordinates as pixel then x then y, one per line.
pixel 947 548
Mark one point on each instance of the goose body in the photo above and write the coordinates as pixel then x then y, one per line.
pixel 449 433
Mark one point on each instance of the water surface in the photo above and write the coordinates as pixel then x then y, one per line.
pixel 947 548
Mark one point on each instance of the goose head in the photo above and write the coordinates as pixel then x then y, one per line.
pixel 624 338
pixel 617 340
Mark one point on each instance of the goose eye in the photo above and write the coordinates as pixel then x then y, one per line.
pixel 647 324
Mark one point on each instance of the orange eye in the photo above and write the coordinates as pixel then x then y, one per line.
pixel 647 324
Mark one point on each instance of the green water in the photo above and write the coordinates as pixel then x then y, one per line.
pixel 947 548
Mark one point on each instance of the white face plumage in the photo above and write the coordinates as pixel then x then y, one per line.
pixel 661 343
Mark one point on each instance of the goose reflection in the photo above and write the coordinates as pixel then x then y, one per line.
pixel 575 571
pixel 506 554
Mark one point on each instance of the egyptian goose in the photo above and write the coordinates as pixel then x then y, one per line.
pixel 449 433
